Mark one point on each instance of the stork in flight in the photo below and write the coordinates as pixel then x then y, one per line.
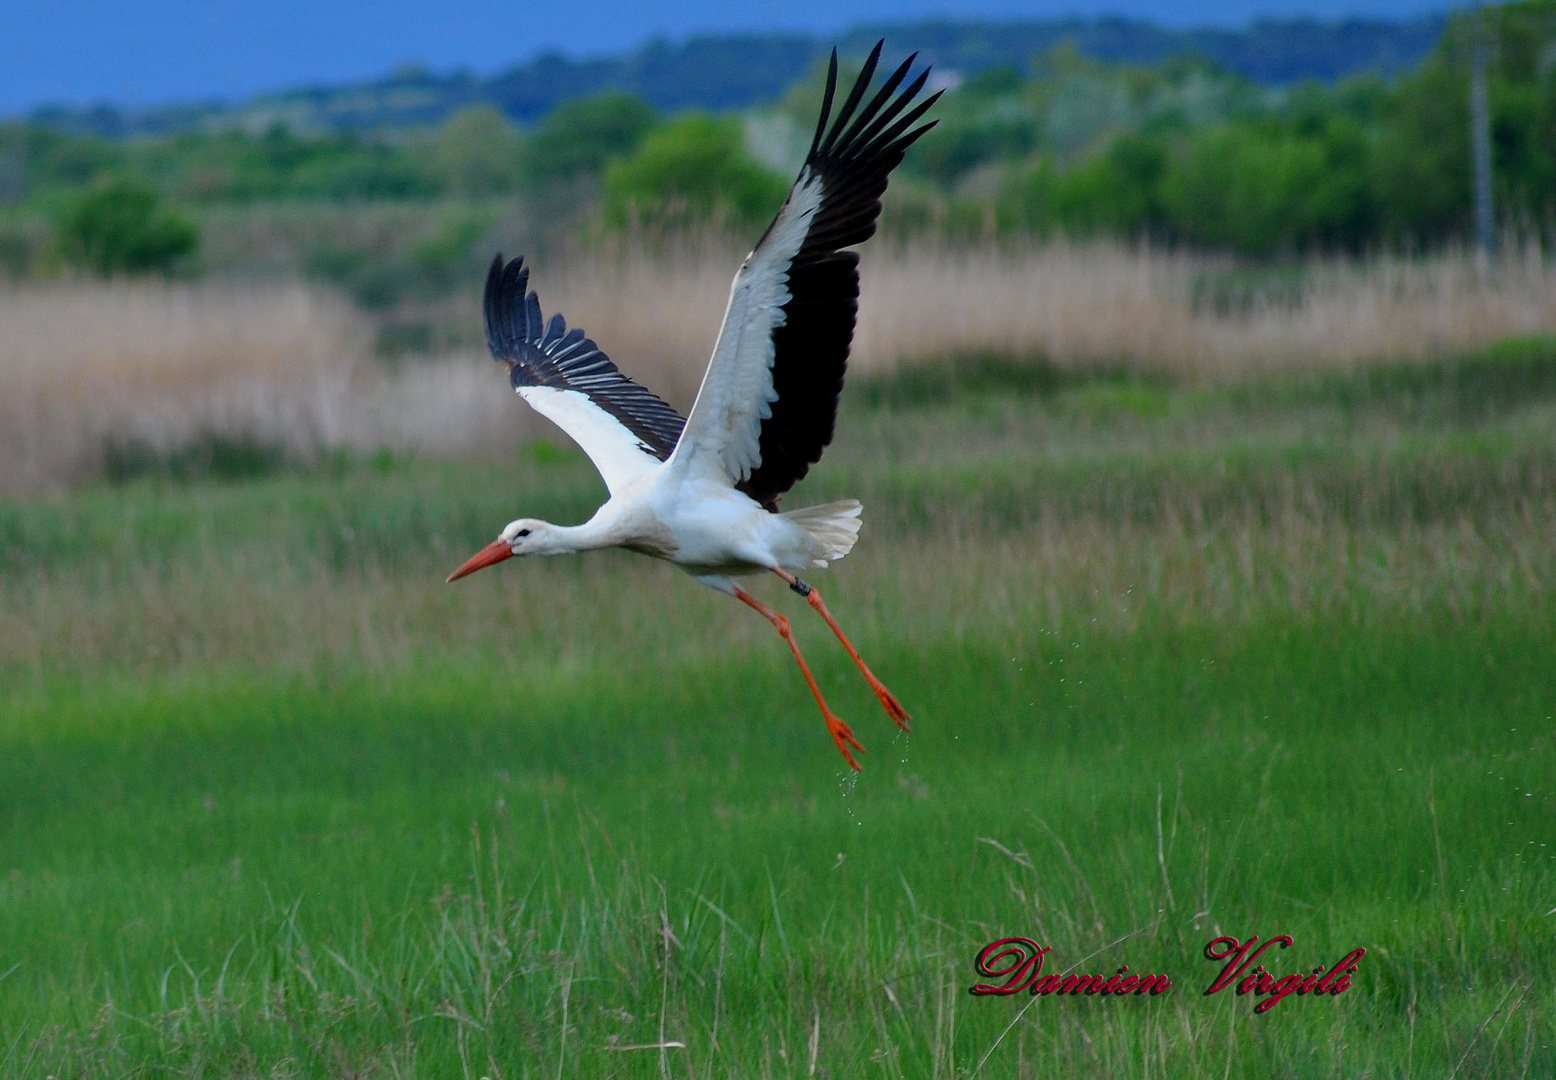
pixel 703 492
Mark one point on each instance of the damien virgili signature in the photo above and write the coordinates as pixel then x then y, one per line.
pixel 1019 962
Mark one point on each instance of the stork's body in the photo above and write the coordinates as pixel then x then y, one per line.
pixel 708 529
pixel 702 492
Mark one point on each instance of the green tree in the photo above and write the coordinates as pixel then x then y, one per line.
pixel 693 169
pixel 477 152
pixel 34 158
pixel 1422 169
pixel 1117 191
pixel 1523 106
pixel 121 227
pixel 578 137
pixel 1423 155
pixel 986 119
pixel 1267 187
pixel 283 164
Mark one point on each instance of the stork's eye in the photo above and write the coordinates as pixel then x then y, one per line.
pixel 521 532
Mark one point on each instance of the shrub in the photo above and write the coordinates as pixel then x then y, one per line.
pixel 1266 188
pixel 121 227
pixel 1115 192
pixel 694 169
pixel 477 151
pixel 578 137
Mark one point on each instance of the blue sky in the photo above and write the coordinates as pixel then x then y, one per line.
pixel 145 52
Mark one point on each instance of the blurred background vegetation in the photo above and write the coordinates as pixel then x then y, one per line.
pixel 1210 489
pixel 1098 196
pixel 1179 149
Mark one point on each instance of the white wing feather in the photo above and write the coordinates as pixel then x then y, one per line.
pixel 618 454
pixel 722 433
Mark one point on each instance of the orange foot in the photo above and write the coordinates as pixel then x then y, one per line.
pixel 840 732
pixel 842 736
pixel 888 701
pixel 893 708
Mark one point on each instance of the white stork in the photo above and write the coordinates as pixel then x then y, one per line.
pixel 702 492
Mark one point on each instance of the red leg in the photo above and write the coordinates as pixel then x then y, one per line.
pixel 840 732
pixel 813 597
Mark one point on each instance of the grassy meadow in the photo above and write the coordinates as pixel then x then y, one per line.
pixel 1192 649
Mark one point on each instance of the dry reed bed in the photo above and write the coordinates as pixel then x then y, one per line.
pixel 1078 305
pixel 1105 304
pixel 84 365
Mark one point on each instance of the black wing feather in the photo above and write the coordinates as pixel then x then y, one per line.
pixel 541 353
pixel 811 347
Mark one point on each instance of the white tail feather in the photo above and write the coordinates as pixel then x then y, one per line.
pixel 834 525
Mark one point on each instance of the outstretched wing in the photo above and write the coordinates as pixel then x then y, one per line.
pixel 768 402
pixel 625 429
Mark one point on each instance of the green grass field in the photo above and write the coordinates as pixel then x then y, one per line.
pixel 1183 661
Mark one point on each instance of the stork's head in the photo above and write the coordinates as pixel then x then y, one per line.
pixel 526 536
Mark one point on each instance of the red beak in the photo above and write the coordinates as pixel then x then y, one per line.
pixel 495 552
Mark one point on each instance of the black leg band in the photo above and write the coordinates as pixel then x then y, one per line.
pixel 800 586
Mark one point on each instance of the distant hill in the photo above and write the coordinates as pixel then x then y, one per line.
pixel 1275 53
pixel 737 71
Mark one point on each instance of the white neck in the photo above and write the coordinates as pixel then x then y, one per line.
pixel 566 539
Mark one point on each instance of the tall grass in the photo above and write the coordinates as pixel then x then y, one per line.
pixel 1264 657
pixel 1188 316
pixel 1101 504
pixel 90 368
pixel 1079 306
pixel 97 378
pixel 472 864
pixel 304 572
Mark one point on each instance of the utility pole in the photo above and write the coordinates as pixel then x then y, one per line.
pixel 1480 139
